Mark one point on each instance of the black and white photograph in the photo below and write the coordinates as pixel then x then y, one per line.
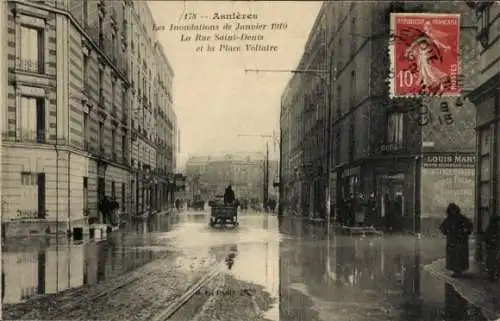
pixel 250 160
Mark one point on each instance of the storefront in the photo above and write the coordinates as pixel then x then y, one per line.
pixel 445 178
pixel 487 101
pixel 350 182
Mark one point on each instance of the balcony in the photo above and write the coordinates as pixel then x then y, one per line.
pixel 29 65
pixel 31 214
pixel 102 101
pixel 29 136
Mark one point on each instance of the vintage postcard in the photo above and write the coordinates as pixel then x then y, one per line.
pixel 249 160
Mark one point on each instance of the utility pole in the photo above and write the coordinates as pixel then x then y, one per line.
pixel 327 77
pixel 265 184
pixel 266 176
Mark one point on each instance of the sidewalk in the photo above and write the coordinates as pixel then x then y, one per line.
pixel 472 287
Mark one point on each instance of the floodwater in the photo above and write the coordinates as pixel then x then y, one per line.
pixel 313 273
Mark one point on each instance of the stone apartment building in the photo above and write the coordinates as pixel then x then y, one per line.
pixel 485 95
pixel 67 132
pixel 244 172
pixel 154 123
pixel 374 144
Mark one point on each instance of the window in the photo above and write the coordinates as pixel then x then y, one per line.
pixel 113 189
pixel 337 148
pixel 340 53
pixel 101 86
pixel 395 129
pixel 113 96
pixel 352 93
pixel 352 142
pixel 124 103
pixel 85 131
pixel 85 9
pixel 28 178
pixel 124 146
pixel 484 188
pixel 353 35
pixel 113 143
pixel 31 119
pixel 86 71
pixel 339 101
pixel 113 45
pixel 123 197
pixel 483 21
pixel 32 50
pixel 85 196
pixel 101 136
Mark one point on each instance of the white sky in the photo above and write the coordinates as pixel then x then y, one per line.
pixel 215 100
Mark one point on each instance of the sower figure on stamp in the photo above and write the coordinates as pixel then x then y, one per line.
pixel 457 229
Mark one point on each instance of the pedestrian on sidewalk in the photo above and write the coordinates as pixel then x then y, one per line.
pixel 457 229
pixel 114 212
pixel 350 211
pixel 371 208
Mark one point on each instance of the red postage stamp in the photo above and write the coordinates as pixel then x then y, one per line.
pixel 424 51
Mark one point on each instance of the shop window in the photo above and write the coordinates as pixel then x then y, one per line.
pixel 395 129
pixel 484 188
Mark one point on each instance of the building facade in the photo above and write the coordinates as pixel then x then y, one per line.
pixel 154 124
pixel 67 132
pixel 374 144
pixel 210 175
pixel 486 96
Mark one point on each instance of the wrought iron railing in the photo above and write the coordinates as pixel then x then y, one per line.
pixel 31 214
pixel 30 65
pixel 26 135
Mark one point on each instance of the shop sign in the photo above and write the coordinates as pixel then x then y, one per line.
pixel 449 161
pixel 354 171
pixel 180 181
pixel 390 147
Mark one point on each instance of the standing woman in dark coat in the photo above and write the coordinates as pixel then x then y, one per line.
pixel 457 229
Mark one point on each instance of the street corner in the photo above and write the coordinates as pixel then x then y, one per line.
pixel 236 300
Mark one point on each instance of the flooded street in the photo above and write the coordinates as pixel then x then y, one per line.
pixel 289 270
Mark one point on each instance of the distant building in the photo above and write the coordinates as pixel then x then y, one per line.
pixel 210 175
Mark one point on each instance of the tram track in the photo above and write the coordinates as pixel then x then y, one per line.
pixel 172 309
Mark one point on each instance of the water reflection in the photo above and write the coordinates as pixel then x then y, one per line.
pixel 49 267
pixel 327 277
